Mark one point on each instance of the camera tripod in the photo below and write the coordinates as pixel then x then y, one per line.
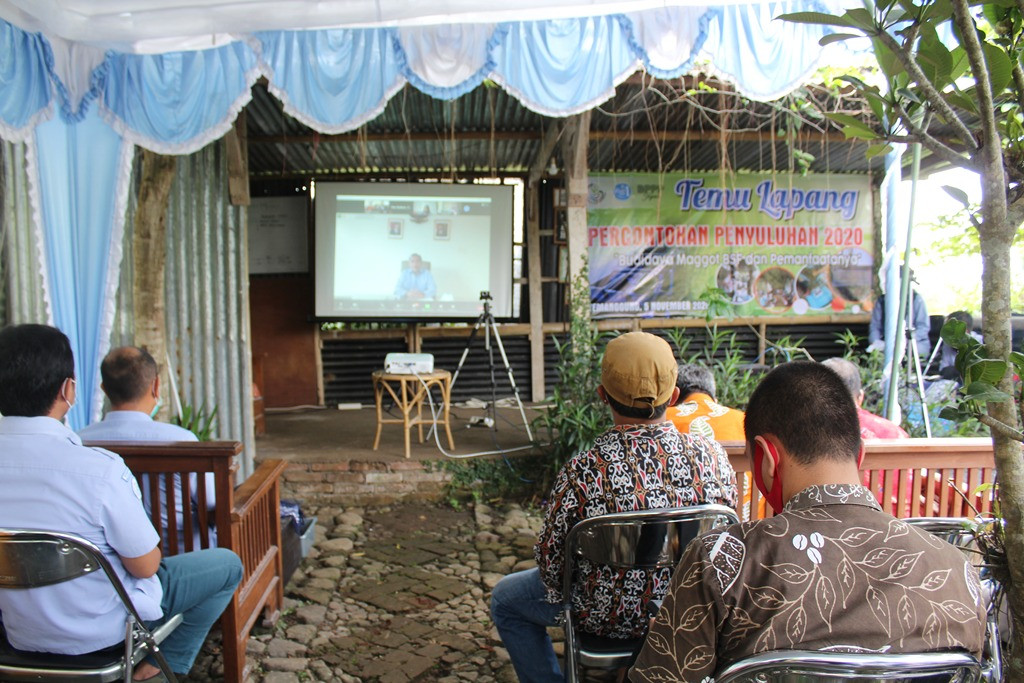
pixel 914 364
pixel 486 320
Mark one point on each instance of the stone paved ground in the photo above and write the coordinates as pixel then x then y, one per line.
pixel 393 594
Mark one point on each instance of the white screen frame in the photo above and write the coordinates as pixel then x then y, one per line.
pixel 459 254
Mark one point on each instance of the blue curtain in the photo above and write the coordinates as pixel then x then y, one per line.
pixel 80 167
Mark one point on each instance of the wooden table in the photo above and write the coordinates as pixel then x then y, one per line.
pixel 409 392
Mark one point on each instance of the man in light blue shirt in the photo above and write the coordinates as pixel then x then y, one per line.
pixel 131 381
pixel 48 480
pixel 415 282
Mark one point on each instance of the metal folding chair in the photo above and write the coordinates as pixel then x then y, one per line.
pixel 956 530
pixel 801 666
pixel 30 559
pixel 646 539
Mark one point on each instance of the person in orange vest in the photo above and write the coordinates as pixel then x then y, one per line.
pixel 697 411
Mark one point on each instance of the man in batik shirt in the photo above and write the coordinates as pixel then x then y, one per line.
pixel 641 463
pixel 830 572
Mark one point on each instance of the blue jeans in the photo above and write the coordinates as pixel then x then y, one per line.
pixel 521 614
pixel 198 585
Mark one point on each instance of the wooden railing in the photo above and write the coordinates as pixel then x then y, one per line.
pixel 246 519
pixel 909 477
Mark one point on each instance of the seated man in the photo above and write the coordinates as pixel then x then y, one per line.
pixel 48 480
pixel 642 462
pixel 415 282
pixel 830 571
pixel 871 426
pixel 697 412
pixel 132 383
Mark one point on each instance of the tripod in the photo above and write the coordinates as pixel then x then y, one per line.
pixel 486 320
pixel 914 363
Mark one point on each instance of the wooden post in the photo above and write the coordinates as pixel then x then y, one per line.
pixel 575 154
pixel 149 255
pixel 238 162
pixel 531 198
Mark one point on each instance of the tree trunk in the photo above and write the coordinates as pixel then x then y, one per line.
pixel 995 254
pixel 149 256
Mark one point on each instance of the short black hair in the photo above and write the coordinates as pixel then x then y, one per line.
pixel 128 373
pixel 809 409
pixel 848 372
pixel 35 360
pixel 964 317
pixel 637 412
pixel 694 378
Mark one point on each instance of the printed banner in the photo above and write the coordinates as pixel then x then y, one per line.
pixel 768 244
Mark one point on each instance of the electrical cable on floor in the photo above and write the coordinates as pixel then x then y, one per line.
pixel 457 456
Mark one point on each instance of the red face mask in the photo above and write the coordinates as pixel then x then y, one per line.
pixel 774 497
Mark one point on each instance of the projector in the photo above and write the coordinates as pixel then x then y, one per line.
pixel 408 363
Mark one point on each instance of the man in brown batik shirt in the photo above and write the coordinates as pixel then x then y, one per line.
pixel 830 572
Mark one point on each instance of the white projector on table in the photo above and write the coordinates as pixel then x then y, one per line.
pixel 409 363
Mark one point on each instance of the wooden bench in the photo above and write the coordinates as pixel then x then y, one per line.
pixel 247 521
pixel 909 477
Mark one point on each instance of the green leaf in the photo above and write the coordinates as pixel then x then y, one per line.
pixel 951 413
pixel 1017 359
pixel 961 196
pixel 837 37
pixel 1000 68
pixel 909 94
pixel 852 126
pixel 986 371
pixel 985 393
pixel 855 82
pixel 820 18
pixel 935 61
pixel 861 18
pixel 878 105
pixel 877 150
pixel 965 101
pixel 959 64
pixel 953 332
pixel 887 60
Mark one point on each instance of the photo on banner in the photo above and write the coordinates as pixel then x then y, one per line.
pixel 771 244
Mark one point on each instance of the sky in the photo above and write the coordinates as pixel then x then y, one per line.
pixel 951 283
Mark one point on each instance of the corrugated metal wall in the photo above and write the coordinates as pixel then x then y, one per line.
pixel 348 362
pixel 208 296
pixel 22 286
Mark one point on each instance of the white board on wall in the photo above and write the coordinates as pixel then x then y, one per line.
pixel 278 240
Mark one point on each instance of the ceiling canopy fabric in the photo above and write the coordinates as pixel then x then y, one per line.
pixel 335 79
pixel 83 80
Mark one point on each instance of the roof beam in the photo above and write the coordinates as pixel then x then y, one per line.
pixel 614 135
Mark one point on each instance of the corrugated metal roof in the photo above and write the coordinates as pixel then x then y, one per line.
pixel 647 126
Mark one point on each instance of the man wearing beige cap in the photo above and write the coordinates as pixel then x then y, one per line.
pixel 642 462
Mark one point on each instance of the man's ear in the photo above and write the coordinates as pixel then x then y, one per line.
pixel 156 387
pixel 674 399
pixel 601 392
pixel 765 448
pixel 860 455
